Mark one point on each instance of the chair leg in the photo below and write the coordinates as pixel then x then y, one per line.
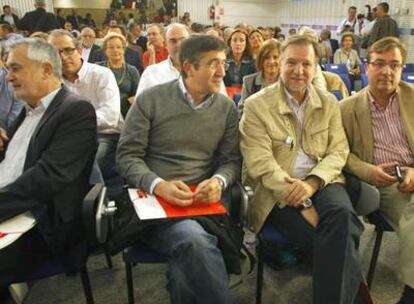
pixel 86 286
pixel 107 256
pixel 130 286
pixel 374 258
pixel 260 266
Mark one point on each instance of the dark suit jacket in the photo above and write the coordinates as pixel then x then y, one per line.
pixel 75 20
pixel 132 57
pixel 334 45
pixel 95 54
pixel 38 20
pixel 56 172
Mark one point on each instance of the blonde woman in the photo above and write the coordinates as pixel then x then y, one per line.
pixel 127 76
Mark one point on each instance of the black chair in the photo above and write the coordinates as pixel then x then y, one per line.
pixel 381 226
pixel 140 253
pixel 96 207
pixel 366 195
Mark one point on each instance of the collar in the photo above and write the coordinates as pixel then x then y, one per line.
pixel 391 100
pixel 82 72
pixel 293 103
pixel 207 101
pixel 44 102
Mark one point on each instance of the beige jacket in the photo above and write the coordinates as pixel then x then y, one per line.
pixel 266 124
pixel 356 117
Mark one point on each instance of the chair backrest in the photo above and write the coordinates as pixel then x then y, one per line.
pixel 408 77
pixel 408 68
pixel 338 94
pixel 364 80
pixel 347 81
pixel 336 68
pixel 334 82
pixel 362 68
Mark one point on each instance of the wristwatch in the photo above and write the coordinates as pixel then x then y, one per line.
pixel 221 182
pixel 305 205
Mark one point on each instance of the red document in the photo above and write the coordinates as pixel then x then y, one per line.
pixel 148 206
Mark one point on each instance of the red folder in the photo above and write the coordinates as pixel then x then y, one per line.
pixel 152 207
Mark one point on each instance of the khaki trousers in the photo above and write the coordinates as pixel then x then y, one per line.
pixel 398 209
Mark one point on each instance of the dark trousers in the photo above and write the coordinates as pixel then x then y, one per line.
pixel 332 247
pixel 22 256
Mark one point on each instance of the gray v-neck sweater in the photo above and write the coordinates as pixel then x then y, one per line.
pixel 165 137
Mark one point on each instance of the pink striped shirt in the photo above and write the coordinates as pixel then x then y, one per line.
pixel 390 140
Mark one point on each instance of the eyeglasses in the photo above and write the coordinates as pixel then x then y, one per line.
pixel 379 65
pixel 216 64
pixel 67 51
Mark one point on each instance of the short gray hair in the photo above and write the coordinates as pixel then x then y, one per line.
pixel 40 51
pixel 177 25
pixel 62 33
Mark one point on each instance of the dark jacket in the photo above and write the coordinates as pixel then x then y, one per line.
pixel 38 20
pixel 334 45
pixel 132 57
pixel 234 74
pixel 56 172
pixel 383 27
pixel 96 54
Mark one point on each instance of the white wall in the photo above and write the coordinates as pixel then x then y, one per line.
pixel 103 4
pixel 198 10
pixel 316 13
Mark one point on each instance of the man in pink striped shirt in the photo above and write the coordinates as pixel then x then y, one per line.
pixel 379 124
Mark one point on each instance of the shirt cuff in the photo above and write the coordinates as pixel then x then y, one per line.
pixel 222 179
pixel 154 183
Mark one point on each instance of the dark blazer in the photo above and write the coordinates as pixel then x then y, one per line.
pixel 132 57
pixel 56 172
pixel 75 20
pixel 334 45
pixel 96 54
pixel 38 20
pixel 234 76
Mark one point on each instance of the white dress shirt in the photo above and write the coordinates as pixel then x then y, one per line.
pixel 160 73
pixel 12 165
pixel 303 162
pixel 98 84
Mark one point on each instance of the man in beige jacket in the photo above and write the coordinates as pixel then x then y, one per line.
pixel 379 124
pixel 294 147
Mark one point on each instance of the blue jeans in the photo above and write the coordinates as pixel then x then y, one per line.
pixel 196 270
pixel 105 156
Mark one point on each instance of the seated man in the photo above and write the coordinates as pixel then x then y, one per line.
pixel 294 146
pixel 98 85
pixel 45 162
pixel 168 69
pixel 379 124
pixel 178 134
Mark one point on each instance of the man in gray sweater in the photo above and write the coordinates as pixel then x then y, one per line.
pixel 178 134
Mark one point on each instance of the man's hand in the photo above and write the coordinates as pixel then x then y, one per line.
pixel 311 215
pixel 208 191
pixel 408 184
pixel 380 178
pixel 298 191
pixel 175 192
pixel 150 47
pixel 3 139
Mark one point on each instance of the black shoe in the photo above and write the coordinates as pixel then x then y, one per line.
pixel 407 296
pixel 4 294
